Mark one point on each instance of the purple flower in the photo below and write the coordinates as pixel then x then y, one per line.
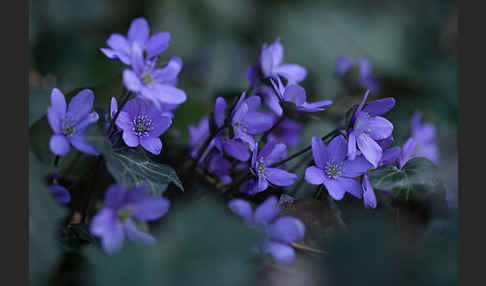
pixel 220 166
pixel 390 156
pixel 70 124
pixel 60 193
pixel 369 127
pixel 123 208
pixel 365 78
pixel 233 147
pixel 260 164
pixel 198 134
pixel 270 65
pixel 278 234
pixel 154 84
pixel 245 118
pixel 291 93
pixel 333 170
pixel 143 123
pixel 425 139
pixel 406 152
pixel 121 48
pixel 287 132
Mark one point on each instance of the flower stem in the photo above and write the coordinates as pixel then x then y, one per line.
pixel 120 108
pixel 325 137
pixel 56 160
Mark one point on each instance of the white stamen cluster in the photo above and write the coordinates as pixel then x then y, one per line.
pixel 333 170
pixel 142 125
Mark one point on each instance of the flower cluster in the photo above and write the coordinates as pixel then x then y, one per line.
pixel 226 150
pixel 278 232
pixel 244 145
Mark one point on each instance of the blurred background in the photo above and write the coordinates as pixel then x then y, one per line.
pixel 411 44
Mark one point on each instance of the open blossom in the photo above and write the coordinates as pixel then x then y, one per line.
pixel 143 123
pixel 368 127
pixel 139 34
pixel 425 139
pixel 333 170
pixel 278 232
pixel 270 65
pixel 70 123
pixel 198 134
pixel 123 208
pixel 291 93
pixel 152 83
pixel 245 119
pixel 260 164
pixel 365 79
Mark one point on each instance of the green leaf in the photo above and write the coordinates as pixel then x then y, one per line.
pixel 45 215
pixel 416 174
pixel 200 243
pixel 131 166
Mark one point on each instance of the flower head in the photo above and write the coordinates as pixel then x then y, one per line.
pixel 333 170
pixel 123 208
pixel 291 93
pixel 153 83
pixel 368 127
pixel 365 79
pixel 278 232
pixel 121 48
pixel 425 139
pixel 261 165
pixel 70 124
pixel 245 119
pixel 143 123
pixel 270 65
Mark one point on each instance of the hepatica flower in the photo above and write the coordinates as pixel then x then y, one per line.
pixel 143 123
pixel 260 164
pixel 278 232
pixel 270 65
pixel 365 78
pixel 333 170
pixel 124 207
pixel 152 83
pixel 368 127
pixel 425 139
pixel 121 47
pixel 291 93
pixel 245 119
pixel 70 124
